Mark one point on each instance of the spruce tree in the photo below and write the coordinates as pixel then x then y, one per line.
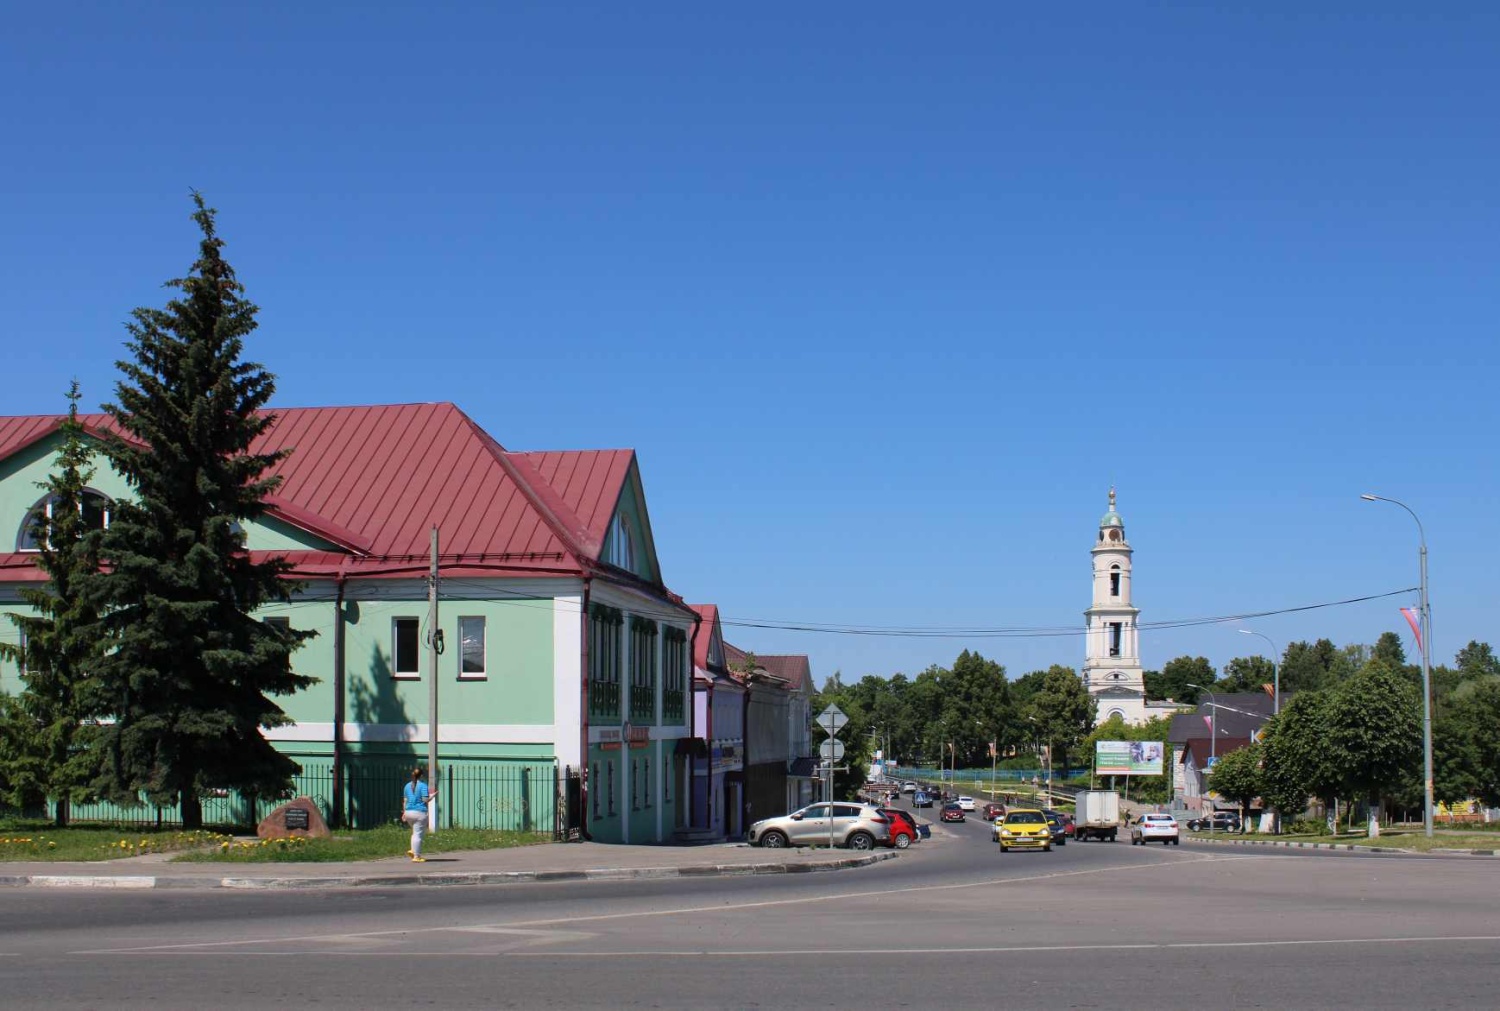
pixel 190 673
pixel 59 640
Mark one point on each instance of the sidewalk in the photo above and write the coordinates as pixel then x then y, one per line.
pixel 1346 847
pixel 545 862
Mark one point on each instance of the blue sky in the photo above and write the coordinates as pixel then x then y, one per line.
pixel 885 296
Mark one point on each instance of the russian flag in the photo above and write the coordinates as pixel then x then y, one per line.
pixel 1415 623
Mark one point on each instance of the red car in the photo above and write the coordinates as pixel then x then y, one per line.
pixel 903 827
pixel 951 812
pixel 993 811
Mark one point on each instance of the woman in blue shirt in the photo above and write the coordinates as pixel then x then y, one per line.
pixel 415 798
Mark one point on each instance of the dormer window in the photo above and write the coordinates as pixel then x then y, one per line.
pixel 94 507
pixel 621 551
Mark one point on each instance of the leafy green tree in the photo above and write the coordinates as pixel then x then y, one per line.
pixel 61 638
pixel 1313 666
pixel 1178 674
pixel 1246 674
pixel 1388 650
pixel 189 674
pixel 1063 711
pixel 1374 723
pixel 1238 777
pixel 1297 760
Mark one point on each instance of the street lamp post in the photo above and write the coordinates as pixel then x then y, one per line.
pixel 1424 608
pixel 1275 670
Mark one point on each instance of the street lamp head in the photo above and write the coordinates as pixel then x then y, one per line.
pixel 1370 498
pixel 1244 631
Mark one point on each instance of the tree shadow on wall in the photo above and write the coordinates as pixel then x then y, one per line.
pixel 375 775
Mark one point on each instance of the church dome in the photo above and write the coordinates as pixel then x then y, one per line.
pixel 1111 518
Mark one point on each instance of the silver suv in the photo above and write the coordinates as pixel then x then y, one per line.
pixel 857 826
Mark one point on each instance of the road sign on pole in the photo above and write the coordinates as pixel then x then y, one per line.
pixel 831 750
pixel 832 720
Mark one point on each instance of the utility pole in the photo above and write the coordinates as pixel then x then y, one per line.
pixel 434 650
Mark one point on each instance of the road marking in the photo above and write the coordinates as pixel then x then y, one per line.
pixel 684 910
pixel 1017 949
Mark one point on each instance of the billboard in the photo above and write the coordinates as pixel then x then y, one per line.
pixel 1128 758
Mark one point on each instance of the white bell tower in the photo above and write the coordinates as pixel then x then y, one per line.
pixel 1112 668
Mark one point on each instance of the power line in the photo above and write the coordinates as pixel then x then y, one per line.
pixel 1034 632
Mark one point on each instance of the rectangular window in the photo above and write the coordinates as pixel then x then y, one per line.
pixel 609 768
pixel 1114 638
pixel 646 780
pixel 1114 583
pixel 279 622
pixel 595 787
pixel 635 800
pixel 405 648
pixel 674 666
pixel 604 661
pixel 21 666
pixel 643 635
pixel 471 655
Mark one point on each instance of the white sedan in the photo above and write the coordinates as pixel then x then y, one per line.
pixel 966 803
pixel 1160 828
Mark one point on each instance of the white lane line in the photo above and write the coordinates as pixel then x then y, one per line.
pixel 685 910
pixel 1018 949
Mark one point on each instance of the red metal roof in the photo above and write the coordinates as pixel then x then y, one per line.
pixel 708 624
pixel 794 668
pixel 374 480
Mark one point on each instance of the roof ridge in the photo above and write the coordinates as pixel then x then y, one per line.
pixel 540 495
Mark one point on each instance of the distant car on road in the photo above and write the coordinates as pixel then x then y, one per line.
pixel 967 803
pixel 993 811
pixel 908 787
pixel 921 799
pixel 1023 828
pixel 857 826
pixel 1064 820
pixel 951 812
pixel 1219 821
pixel 1160 828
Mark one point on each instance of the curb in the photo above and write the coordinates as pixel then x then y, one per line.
pixel 440 880
pixel 1345 847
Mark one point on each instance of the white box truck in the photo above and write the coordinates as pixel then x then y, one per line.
pixel 1096 815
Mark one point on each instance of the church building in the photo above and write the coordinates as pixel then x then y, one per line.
pixel 1112 668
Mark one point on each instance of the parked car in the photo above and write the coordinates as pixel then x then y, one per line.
pixel 1219 821
pixel 1023 828
pixel 921 799
pixel 993 811
pixel 904 830
pixel 967 803
pixel 857 826
pixel 951 812
pixel 1057 826
pixel 1160 828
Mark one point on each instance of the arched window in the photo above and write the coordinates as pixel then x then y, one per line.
pixel 1114 580
pixel 95 508
pixel 621 551
pixel 1115 712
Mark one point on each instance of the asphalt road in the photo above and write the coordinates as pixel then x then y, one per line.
pixel 952 922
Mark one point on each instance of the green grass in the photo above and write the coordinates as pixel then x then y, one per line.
pixel 21 841
pixel 372 844
pixel 1406 838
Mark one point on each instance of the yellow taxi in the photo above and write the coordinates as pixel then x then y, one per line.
pixel 1023 828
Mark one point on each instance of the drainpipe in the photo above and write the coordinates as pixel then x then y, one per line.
pixel 692 704
pixel 338 704
pixel 583 691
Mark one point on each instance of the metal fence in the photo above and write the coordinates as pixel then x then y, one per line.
pixel 508 795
